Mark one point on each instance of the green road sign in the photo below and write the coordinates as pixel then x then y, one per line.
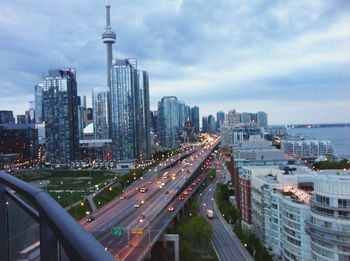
pixel 118 230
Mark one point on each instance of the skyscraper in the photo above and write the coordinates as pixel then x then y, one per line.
pixel 124 109
pixel 143 117
pixel 211 124
pixel 245 117
pixel 181 115
pixel 60 114
pixel 6 117
pixel 262 119
pixel 108 37
pixel 220 118
pixel 205 123
pixel 168 117
pixel 187 113
pixel 30 114
pixel 195 118
pixel 100 109
pixel 38 103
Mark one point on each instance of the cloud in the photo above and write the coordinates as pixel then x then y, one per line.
pixel 211 53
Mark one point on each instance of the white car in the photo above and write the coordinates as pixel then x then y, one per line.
pixel 137 205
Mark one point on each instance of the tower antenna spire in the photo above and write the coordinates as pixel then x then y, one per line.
pixel 108 37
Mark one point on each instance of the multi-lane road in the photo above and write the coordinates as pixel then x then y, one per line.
pixel 161 194
pixel 227 246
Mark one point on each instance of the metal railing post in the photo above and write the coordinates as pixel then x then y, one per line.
pixel 4 244
pixel 48 242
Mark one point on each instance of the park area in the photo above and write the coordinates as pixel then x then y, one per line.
pixel 68 186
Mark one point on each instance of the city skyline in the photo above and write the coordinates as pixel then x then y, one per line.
pixel 287 59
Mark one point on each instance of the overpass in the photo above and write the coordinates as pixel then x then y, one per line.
pixel 154 212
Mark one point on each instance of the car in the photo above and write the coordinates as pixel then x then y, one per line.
pixel 181 198
pixel 137 205
pixel 166 192
pixel 149 182
pixel 163 184
pixel 189 189
pixel 202 175
pixel 194 184
pixel 185 193
pixel 122 197
pixel 89 219
pixel 198 180
pixel 141 218
pixel 170 208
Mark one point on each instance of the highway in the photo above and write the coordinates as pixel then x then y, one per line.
pixel 227 246
pixel 118 209
pixel 155 208
pixel 157 199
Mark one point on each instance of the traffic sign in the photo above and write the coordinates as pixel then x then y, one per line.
pixel 136 231
pixel 118 230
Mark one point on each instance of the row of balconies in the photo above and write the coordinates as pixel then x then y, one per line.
pixel 313 202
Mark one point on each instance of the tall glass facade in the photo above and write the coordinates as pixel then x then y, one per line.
pixel 38 99
pixel 123 109
pixel 100 97
pixel 195 118
pixel 168 109
pixel 181 115
pixel 60 114
pixel 143 120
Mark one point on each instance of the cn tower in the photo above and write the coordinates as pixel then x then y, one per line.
pixel 108 37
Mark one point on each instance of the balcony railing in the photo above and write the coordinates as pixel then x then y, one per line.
pixel 56 227
pixel 313 202
pixel 328 230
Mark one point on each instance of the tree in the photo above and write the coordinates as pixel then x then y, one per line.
pixel 237 228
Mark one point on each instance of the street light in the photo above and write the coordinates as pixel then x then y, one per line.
pixel 149 233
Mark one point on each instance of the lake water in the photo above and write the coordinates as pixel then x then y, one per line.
pixel 339 136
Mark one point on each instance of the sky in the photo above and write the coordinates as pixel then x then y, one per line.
pixel 290 59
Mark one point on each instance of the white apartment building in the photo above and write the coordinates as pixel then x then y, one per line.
pixel 329 223
pixel 280 208
pixel 307 148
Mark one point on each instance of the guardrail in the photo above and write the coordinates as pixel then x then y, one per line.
pixel 56 226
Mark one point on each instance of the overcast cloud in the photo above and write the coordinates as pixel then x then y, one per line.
pixel 288 58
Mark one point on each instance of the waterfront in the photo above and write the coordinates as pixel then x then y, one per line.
pixel 339 136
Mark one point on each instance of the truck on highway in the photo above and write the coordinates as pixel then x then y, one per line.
pixel 210 213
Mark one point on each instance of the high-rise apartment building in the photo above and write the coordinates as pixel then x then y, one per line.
pixel 220 118
pixel 261 118
pixel 6 117
pixel 187 113
pixel 168 117
pixel 329 223
pixel 205 123
pixel 38 100
pixel 245 117
pixel 100 108
pixel 143 117
pixel 211 124
pixel 181 115
pixel 124 107
pixel 195 119
pixel 60 114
